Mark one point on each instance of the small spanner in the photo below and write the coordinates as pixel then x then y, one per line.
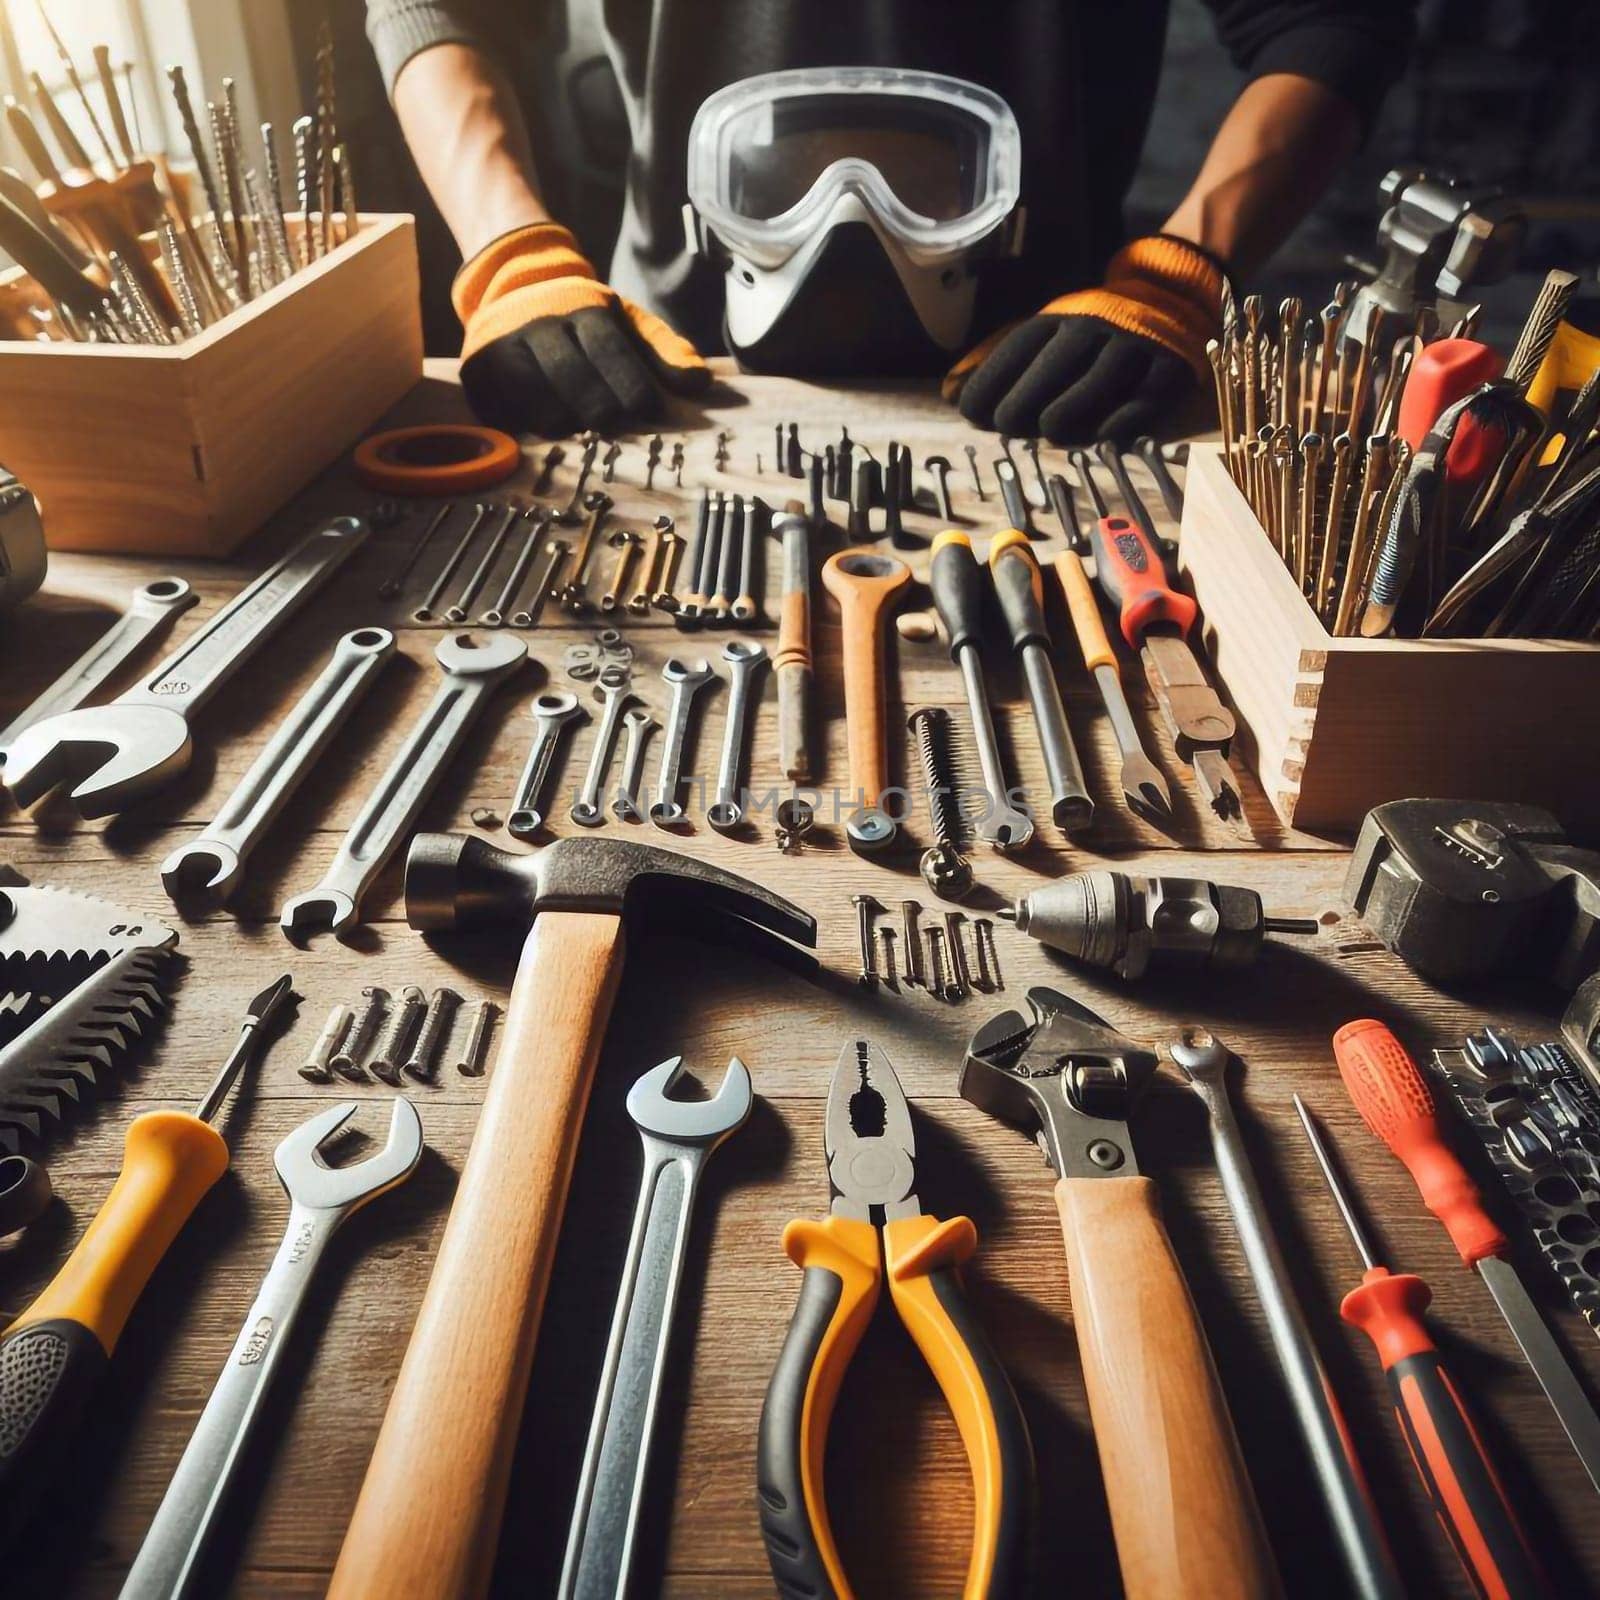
pixel 152 609
pixel 637 725
pixel 677 1136
pixel 551 713
pixel 587 809
pixel 118 753
pixel 687 680
pixel 473 667
pixel 745 659
pixel 320 1198
pixel 210 865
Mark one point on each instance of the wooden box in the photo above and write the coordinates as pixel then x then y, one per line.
pixel 186 449
pixel 1333 726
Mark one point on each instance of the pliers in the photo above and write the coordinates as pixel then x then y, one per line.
pixel 872 1171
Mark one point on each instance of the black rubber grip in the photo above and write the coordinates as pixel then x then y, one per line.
pixel 1013 586
pixel 786 1529
pixel 48 1372
pixel 957 583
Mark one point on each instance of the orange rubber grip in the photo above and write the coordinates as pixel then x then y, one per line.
pixel 1084 610
pixel 1396 1104
pixel 1130 571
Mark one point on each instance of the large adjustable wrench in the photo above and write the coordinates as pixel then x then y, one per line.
pixel 677 1136
pixel 473 667
pixel 211 864
pixel 117 754
pixel 320 1198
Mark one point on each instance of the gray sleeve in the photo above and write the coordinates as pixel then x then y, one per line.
pixel 400 29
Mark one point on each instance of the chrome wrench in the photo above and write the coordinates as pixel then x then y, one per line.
pixel 637 725
pixel 121 752
pixel 551 714
pixel 745 660
pixel 320 1198
pixel 687 680
pixel 209 865
pixel 472 669
pixel 152 609
pixel 587 810
pixel 677 1136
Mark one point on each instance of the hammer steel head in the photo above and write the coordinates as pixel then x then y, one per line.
pixel 112 755
pixel 457 881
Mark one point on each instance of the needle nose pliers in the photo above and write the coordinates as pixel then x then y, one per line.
pixel 871 1155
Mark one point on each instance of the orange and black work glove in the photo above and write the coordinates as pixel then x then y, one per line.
pixel 550 349
pixel 1106 363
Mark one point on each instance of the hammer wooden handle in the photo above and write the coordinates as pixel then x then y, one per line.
pixel 428 1518
pixel 1182 1510
pixel 864 585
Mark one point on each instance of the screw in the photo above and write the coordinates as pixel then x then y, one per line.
pixel 937 986
pixel 866 909
pixel 944 869
pixel 984 929
pixel 911 944
pixel 316 1068
pixel 423 1060
pixel 346 1060
pixel 890 980
pixel 475 1056
pixel 959 970
pixel 652 460
pixel 404 1020
pixel 977 477
pixel 984 980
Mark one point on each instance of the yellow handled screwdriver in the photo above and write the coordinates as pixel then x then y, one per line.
pixel 55 1354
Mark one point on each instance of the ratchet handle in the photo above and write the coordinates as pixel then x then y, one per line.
pixel 1182 1509
pixel 1396 1104
pixel 1450 1458
pixel 1131 574
pixel 1084 609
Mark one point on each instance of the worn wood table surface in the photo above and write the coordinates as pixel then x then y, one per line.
pixel 898 1481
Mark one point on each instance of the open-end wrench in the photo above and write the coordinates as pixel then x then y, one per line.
pixel 428 611
pixel 587 810
pixel 551 713
pixel 320 1198
pixel 745 659
pixel 637 725
pixel 473 667
pixel 461 607
pixel 687 679
pixel 210 865
pixel 152 609
pixel 677 1136
pixel 117 754
pixel 572 596
pixel 537 522
pixel 543 585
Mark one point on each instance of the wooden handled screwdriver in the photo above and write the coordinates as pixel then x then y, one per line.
pixel 1444 1446
pixel 791 661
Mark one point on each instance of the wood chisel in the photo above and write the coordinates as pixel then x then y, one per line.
pixel 1396 1104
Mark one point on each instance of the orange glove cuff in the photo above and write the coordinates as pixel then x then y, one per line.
pixel 532 272
pixel 1160 288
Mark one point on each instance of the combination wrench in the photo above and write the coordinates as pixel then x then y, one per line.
pixel 211 864
pixel 687 680
pixel 637 725
pixel 320 1198
pixel 124 751
pixel 745 660
pixel 461 607
pixel 472 669
pixel 538 521
pixel 587 810
pixel 677 1136
pixel 551 713
pixel 152 609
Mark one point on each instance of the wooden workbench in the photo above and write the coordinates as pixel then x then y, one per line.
pixel 898 1481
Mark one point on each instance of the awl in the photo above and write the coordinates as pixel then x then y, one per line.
pixel 1396 1103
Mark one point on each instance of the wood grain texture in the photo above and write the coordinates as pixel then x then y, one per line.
pixel 898 1483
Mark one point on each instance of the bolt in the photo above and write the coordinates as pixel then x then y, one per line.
pixel 890 980
pixel 423 1060
pixel 677 464
pixel 475 1056
pixel 984 929
pixel 404 1020
pixel 316 1068
pixel 984 980
pixel 866 909
pixel 937 986
pixel 944 869
pixel 346 1060
pixel 652 460
pixel 939 466
pixel 911 945
pixel 1105 1154
pixel 960 972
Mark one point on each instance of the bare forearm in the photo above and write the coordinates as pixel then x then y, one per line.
pixel 1277 150
pixel 469 141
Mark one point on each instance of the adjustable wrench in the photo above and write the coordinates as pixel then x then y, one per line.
pixel 745 660
pixel 152 609
pixel 687 680
pixel 677 1136
pixel 320 1198
pixel 551 713
pixel 472 669
pixel 587 810
pixel 210 865
pixel 119 753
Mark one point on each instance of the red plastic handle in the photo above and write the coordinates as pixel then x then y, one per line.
pixel 1129 569
pixel 1396 1104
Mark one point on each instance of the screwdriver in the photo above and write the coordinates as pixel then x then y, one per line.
pixel 1443 1444
pixel 1143 787
pixel 170 1161
pixel 1396 1104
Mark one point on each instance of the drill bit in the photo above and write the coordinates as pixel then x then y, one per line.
pixel 349 207
pixel 272 184
pixel 327 135
pixel 76 83
pixel 197 149
pixel 304 159
pixel 239 250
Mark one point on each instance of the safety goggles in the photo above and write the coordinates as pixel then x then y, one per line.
pixel 935 161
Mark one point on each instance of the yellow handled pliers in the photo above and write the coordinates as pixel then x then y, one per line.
pixel 872 1170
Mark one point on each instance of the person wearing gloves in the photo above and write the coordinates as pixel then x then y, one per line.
pixel 1071 331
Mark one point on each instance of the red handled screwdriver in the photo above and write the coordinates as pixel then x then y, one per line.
pixel 1396 1103
pixel 1445 1447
